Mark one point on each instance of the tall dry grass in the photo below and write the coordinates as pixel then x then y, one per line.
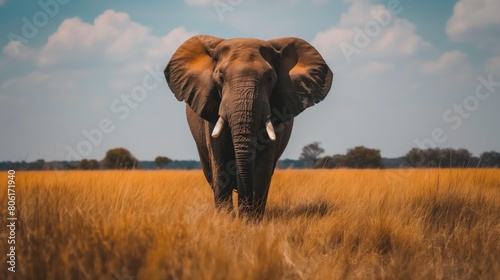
pixel 330 224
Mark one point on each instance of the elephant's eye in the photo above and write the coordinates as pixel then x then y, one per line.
pixel 271 78
pixel 218 76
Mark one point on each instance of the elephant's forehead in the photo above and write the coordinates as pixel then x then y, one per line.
pixel 244 42
pixel 243 49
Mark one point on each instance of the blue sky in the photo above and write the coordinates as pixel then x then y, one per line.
pixel 81 77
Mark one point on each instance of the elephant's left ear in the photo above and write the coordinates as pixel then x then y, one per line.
pixel 189 76
pixel 304 78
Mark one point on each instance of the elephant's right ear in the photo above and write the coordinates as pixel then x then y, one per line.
pixel 189 76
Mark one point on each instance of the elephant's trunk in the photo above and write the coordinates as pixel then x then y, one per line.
pixel 244 147
pixel 243 123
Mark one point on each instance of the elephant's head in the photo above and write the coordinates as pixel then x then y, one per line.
pixel 247 85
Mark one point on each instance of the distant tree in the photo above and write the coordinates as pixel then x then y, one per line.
pixel 437 157
pixel 310 154
pixel 362 157
pixel 289 164
pixel 161 162
pixel 83 164
pixel 36 165
pixel 335 161
pixel 459 157
pixel 95 164
pixel 119 158
pixel 323 163
pixel 86 164
pixel 490 159
pixel 416 158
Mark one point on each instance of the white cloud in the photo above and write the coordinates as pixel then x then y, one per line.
pixel 2 2
pixel 400 39
pixel 89 63
pixel 113 37
pixel 389 56
pixel 387 36
pixel 329 41
pixel 358 14
pixel 106 57
pixel 475 21
pixel 169 43
pixel 450 70
pixel 448 61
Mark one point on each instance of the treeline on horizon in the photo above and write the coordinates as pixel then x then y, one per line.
pixel 358 157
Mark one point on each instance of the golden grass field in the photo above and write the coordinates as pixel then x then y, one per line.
pixel 324 224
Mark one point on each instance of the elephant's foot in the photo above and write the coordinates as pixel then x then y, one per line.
pixel 224 201
pixel 224 207
pixel 250 213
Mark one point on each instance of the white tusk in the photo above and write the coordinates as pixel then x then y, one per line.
pixel 270 130
pixel 218 128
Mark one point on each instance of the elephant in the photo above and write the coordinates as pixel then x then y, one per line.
pixel 241 97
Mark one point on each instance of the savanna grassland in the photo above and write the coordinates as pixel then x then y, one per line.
pixel 324 224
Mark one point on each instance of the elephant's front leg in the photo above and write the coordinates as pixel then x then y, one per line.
pixel 262 183
pixel 268 154
pixel 223 165
pixel 264 169
pixel 223 187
